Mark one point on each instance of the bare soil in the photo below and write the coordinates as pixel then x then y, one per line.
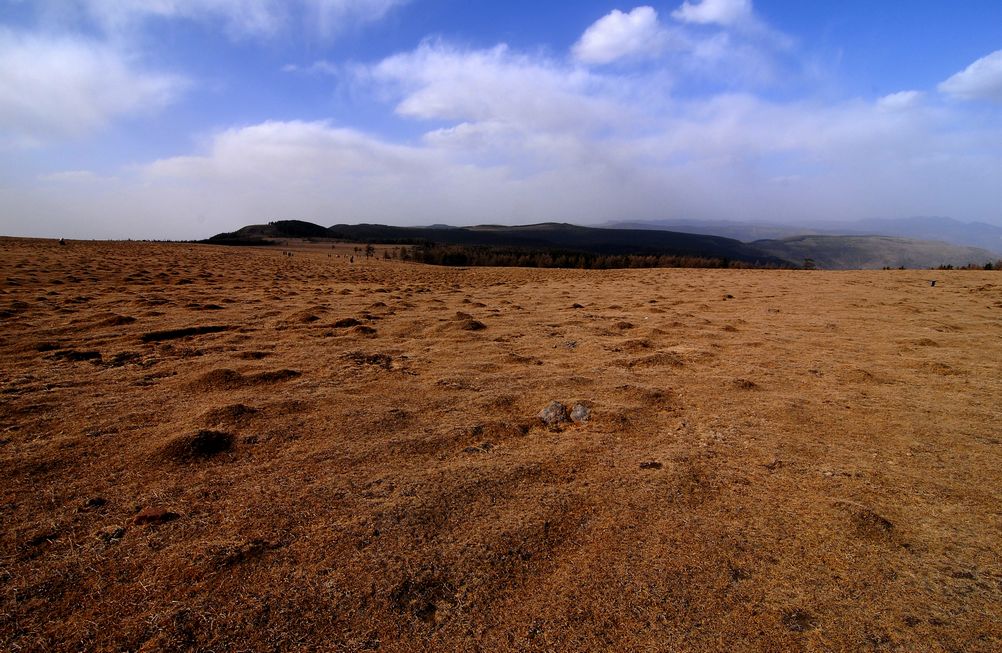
pixel 234 449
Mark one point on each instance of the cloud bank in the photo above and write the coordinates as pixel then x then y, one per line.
pixel 600 132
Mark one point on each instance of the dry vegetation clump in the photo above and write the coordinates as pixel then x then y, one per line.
pixel 613 460
pixel 174 334
pixel 200 446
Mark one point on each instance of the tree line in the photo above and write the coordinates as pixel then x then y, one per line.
pixel 482 255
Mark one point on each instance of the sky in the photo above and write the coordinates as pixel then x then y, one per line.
pixel 179 119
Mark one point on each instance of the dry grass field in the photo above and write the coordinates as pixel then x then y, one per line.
pixel 236 450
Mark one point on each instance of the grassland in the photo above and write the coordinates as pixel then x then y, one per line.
pixel 210 448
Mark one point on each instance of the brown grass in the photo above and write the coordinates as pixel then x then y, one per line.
pixel 813 464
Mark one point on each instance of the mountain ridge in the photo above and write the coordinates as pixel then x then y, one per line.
pixel 563 237
pixel 826 251
pixel 948 230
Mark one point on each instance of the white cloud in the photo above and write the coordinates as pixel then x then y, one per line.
pixel 439 82
pixel 54 87
pixel 732 47
pixel 901 101
pixel 728 13
pixel 289 151
pixel 618 35
pixel 735 16
pixel 982 80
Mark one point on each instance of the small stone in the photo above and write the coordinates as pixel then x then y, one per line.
pixel 151 515
pixel 651 464
pixel 580 413
pixel 472 325
pixel 554 414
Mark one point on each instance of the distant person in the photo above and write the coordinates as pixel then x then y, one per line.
pixel 352 259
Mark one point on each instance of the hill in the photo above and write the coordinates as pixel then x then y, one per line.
pixel 973 234
pixel 262 234
pixel 744 231
pixel 873 252
pixel 558 238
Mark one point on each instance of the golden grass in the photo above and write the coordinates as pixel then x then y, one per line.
pixel 775 460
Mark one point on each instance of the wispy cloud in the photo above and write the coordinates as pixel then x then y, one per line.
pixel 54 87
pixel 318 67
pixel 729 13
pixel 241 18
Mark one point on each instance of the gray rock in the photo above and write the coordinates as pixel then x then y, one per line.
pixel 580 413
pixel 555 414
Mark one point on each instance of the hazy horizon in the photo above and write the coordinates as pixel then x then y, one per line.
pixel 182 119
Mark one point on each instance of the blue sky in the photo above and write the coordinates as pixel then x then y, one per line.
pixel 183 118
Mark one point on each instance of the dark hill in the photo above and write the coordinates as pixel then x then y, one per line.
pixel 260 234
pixel 552 237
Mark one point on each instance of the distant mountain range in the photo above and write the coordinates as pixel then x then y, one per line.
pixel 771 245
pixel 947 230
pixel 873 252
